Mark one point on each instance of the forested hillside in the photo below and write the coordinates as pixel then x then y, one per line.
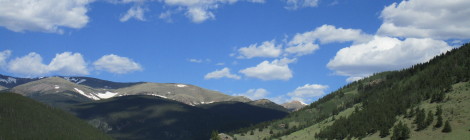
pixel 374 105
pixel 22 118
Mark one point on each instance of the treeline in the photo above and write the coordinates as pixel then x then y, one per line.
pixel 399 91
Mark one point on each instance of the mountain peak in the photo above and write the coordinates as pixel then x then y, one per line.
pixel 294 105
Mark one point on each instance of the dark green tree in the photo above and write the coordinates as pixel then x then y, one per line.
pixel 438 110
pixel 215 135
pixel 429 118
pixel 384 131
pixel 271 132
pixel 447 127
pixel 400 132
pixel 439 121
pixel 420 120
pixel 252 133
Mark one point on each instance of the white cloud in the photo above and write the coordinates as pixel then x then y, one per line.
pixel 198 14
pixel 302 49
pixel 136 12
pixel 307 92
pixel 266 49
pixel 196 60
pixel 166 16
pixel 3 57
pixel 43 15
pixel 225 72
pixel 198 10
pixel 303 44
pixel 383 54
pixel 275 70
pixel 68 63
pixel 427 19
pixel 65 63
pixel 257 1
pixel 255 94
pixel 29 65
pixel 193 60
pixel 116 64
pixel 296 4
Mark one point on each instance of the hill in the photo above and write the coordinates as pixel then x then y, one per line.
pixel 142 117
pixel 294 105
pixel 64 91
pixel 24 118
pixel 372 107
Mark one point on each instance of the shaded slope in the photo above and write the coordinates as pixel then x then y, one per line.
pixel 24 118
pixel 149 117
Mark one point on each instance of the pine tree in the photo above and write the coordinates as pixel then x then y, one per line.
pixel 439 121
pixel 420 120
pixel 447 127
pixel 429 118
pixel 271 132
pixel 438 110
pixel 215 135
pixel 400 132
pixel 384 132
pixel 252 133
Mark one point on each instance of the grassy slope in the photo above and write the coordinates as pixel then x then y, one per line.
pixel 317 110
pixel 24 118
pixel 455 109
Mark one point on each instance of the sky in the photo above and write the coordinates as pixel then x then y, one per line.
pixel 281 50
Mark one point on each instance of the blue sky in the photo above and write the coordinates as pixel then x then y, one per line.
pixel 277 49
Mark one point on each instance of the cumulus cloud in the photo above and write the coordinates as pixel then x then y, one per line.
pixel 136 12
pixel 43 15
pixel 116 64
pixel 225 72
pixel 305 43
pixel 307 92
pixel 198 10
pixel 277 69
pixel 384 54
pixel 29 65
pixel 255 94
pixel 266 49
pixel 3 57
pixel 427 19
pixel 66 63
pixel 296 4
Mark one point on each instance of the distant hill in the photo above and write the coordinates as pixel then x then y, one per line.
pixel 372 108
pixel 24 118
pixel 293 105
pixel 142 117
pixel 64 91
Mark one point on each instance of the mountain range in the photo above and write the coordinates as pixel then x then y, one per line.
pixel 143 110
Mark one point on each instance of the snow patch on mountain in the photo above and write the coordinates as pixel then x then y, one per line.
pixel 86 95
pixel 181 85
pixel 75 80
pixel 56 87
pixel 8 80
pixel 106 95
pixel 161 96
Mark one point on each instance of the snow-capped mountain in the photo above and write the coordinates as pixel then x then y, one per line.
pixel 62 90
